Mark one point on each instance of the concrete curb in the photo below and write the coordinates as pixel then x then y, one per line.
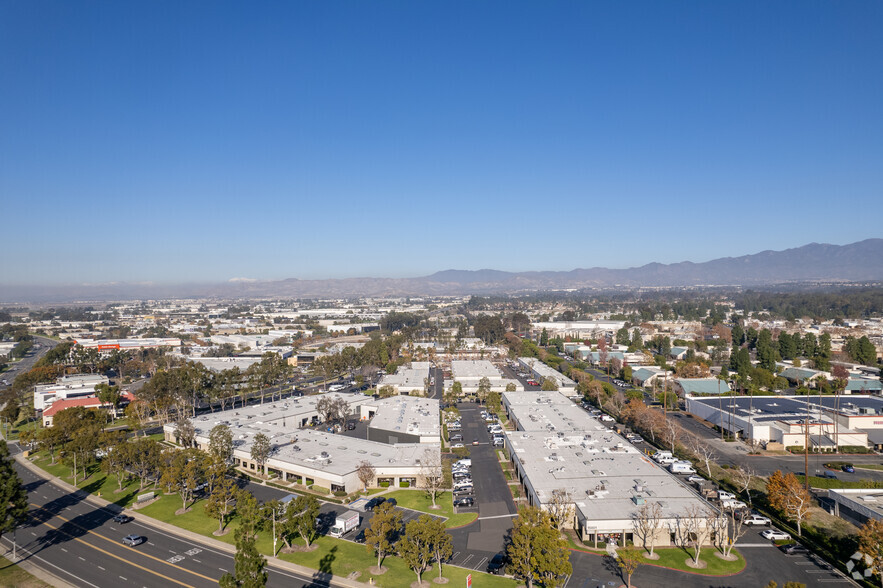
pixel 186 534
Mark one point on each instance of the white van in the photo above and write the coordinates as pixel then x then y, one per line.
pixel 681 467
pixel 660 454
pixel 667 460
pixel 725 495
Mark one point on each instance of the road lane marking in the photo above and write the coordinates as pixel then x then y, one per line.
pixel 109 540
pixel 96 548
pixel 31 555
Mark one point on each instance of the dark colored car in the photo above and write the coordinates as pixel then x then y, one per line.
pixel 465 501
pixel 497 564
pixel 793 549
pixel 848 468
pixel 392 502
pixel 122 519
pixel 475 441
pixel 351 426
pixel 374 503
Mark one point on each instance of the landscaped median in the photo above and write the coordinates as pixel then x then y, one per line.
pixel 344 559
pixel 676 558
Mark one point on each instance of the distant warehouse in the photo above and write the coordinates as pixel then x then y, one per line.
pixel 124 344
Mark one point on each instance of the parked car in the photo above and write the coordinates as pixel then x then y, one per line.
pixel 498 442
pixel 756 519
pixel 351 426
pixel 794 549
pixel 122 519
pixel 775 535
pixel 464 462
pixel 733 505
pixel 726 495
pixel 392 501
pixel 695 478
pixel 374 503
pixel 456 437
pixel 133 540
pixel 497 564
pixel 848 468
pixel 475 441
pixel 829 474
pixel 457 446
pixel 464 501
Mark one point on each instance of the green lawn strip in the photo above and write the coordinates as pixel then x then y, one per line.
pixel 17 430
pixel 342 558
pixel 869 466
pixel 676 558
pixel 12 575
pixel 827 483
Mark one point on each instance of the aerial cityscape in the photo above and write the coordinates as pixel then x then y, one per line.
pixel 499 294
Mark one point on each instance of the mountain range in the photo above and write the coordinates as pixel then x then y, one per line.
pixel 816 262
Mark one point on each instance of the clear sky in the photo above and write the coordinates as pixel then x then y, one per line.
pixel 204 141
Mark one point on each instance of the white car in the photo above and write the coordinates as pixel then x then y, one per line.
pixel 695 478
pixel 464 462
pixel 756 519
pixel 733 505
pixel 726 495
pixel 775 535
pixel 457 446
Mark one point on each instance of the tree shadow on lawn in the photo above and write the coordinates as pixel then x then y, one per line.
pixel 323 575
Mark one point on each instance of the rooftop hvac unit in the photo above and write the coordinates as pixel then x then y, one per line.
pixel 638 500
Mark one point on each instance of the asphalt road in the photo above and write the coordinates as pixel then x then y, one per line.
pixel 79 543
pixel 28 361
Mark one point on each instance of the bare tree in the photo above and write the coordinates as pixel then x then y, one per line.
pixel 698 523
pixel 431 474
pixel 703 452
pixel 742 477
pixel 366 473
pixel 728 529
pixel 648 522
pixel 561 507
pixel 672 433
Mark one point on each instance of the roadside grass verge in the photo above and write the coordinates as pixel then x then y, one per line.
pixel 868 466
pixel 12 575
pixel 828 483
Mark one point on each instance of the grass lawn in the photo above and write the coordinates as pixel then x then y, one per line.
pixel 12 575
pixel 417 500
pixel 342 558
pixel 869 466
pixel 21 426
pixel 819 482
pixel 675 557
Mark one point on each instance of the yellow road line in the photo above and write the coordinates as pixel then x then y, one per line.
pixel 96 548
pixel 212 580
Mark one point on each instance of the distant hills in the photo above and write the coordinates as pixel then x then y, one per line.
pixel 816 262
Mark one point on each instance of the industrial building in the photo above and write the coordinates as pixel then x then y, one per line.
pixel 827 422
pixel 311 457
pixel 541 371
pixel 408 379
pixel 557 446
pixel 857 505
pixel 470 372
pixel 76 386
pixel 402 419
pixel 127 344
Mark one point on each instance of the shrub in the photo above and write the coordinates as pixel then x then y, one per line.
pixel 404 484
pixel 383 484
pixel 340 493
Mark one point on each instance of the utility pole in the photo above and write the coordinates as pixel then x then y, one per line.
pixel 806 451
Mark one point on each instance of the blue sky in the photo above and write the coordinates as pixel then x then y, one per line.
pixel 203 141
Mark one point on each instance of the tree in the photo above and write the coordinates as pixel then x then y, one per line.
pixel 628 561
pixel 431 474
pixel 300 518
pixel 728 530
pixel 260 451
pixel 111 395
pixel 416 546
pixel 442 544
pixel 560 507
pixel 184 432
pixel 494 401
pixel 366 473
pixel 787 495
pixel 116 460
pixel 536 550
pixel 742 477
pixel 145 460
pixel 484 388
pixel 550 384
pixel 647 523
pixel 870 544
pixel 703 451
pixel 697 525
pixel 183 473
pixel 249 569
pixel 220 442
pixel 380 536
pixel 13 497
pixel 220 502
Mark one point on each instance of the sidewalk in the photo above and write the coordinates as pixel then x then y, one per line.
pixel 189 535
